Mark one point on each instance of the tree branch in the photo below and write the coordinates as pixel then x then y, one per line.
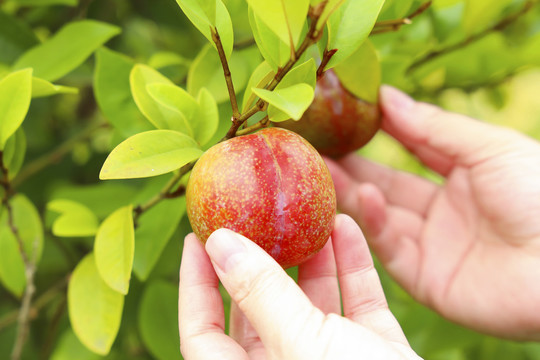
pixel 226 72
pixel 238 119
pixel 259 125
pixel 165 193
pixel 23 319
pixel 43 300
pixel 502 24
pixel 396 24
pixel 313 35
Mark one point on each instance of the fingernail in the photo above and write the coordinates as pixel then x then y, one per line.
pixel 395 98
pixel 225 248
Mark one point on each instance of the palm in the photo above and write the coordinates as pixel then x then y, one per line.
pixel 469 248
pixel 475 243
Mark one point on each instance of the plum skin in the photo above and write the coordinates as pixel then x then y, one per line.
pixel 336 123
pixel 272 187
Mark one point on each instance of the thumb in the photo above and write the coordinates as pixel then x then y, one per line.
pixel 275 306
pixel 439 138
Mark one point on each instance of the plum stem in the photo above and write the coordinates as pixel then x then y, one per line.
pixel 395 24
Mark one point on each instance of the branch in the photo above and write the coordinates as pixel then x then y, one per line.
pixel 40 302
pixel 226 72
pixel 56 155
pixel 313 35
pixel 165 193
pixel 327 55
pixel 502 24
pixel 396 24
pixel 23 319
pixel 259 125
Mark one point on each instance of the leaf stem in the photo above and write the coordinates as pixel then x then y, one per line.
pixel 165 193
pixel 395 24
pixel 227 72
pixel 238 119
pixel 502 24
pixel 327 55
pixel 313 35
pixel 257 126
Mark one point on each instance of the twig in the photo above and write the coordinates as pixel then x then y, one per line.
pixel 226 72
pixel 41 301
pixel 327 55
pixel 259 125
pixel 56 155
pixel 502 24
pixel 396 24
pixel 23 318
pixel 165 193
pixel 313 35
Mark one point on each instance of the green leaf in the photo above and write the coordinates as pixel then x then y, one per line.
pixel 14 152
pixel 207 15
pixel 293 100
pixel 11 263
pixel 75 220
pixel 285 18
pixel 350 26
pixel 199 117
pixel 113 93
pixel 15 95
pixel 303 73
pixel 15 38
pixel 206 72
pixel 46 2
pixel 479 14
pixel 177 100
pixel 166 58
pixel 114 249
pixel 28 223
pixel 206 120
pixel 42 88
pixel 162 117
pixel 156 226
pixel 273 49
pixel 158 320
pixel 69 348
pixel 95 310
pixel 261 76
pixel 360 73
pixel 330 7
pixel 150 153
pixel 67 49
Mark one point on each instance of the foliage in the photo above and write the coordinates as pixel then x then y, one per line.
pixel 105 106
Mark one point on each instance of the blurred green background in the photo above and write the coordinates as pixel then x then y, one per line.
pixel 495 79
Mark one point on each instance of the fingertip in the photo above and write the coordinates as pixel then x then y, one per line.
pixel 225 248
pixel 396 100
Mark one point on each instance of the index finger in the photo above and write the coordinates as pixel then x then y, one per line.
pixel 200 308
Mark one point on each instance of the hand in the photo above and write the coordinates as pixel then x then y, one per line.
pixel 271 317
pixel 470 247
